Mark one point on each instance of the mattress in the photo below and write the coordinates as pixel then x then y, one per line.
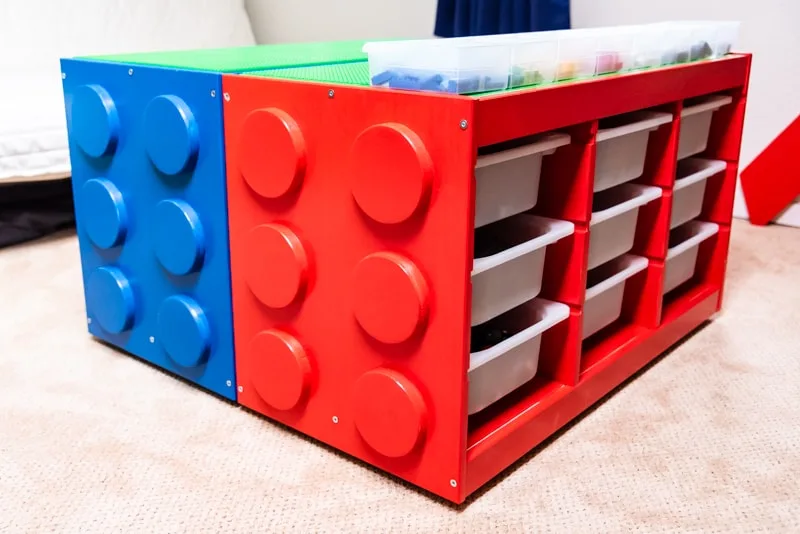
pixel 33 135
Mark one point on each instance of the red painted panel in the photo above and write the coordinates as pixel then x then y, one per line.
pixel 772 181
pixel 366 313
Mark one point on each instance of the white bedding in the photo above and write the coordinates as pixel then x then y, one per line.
pixel 35 34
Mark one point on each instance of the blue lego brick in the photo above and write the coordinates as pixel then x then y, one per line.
pixel 148 172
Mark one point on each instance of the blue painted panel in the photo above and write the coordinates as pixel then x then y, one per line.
pixel 148 163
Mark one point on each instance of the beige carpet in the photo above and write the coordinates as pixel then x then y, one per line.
pixel 706 440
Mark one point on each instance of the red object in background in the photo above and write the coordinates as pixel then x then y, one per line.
pixel 352 248
pixel 772 181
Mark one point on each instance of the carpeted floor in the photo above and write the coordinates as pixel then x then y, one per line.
pixel 91 440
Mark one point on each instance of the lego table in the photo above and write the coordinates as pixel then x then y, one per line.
pixel 347 216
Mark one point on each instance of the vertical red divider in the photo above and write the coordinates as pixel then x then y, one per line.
pixel 719 196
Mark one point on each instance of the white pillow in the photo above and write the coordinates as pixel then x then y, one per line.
pixel 35 34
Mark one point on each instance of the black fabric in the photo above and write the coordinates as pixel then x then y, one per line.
pixel 34 209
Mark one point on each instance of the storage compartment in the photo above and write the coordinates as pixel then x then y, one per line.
pixel 690 188
pixel 505 351
pixel 507 182
pixel 684 244
pixel 696 124
pixel 509 262
pixel 622 147
pixel 613 225
pixel 440 65
pixel 605 289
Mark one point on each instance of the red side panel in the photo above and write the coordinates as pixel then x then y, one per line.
pixel 351 231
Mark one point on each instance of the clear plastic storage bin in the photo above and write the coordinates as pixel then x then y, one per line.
pixel 509 262
pixel 622 147
pixel 684 245
pixel 690 188
pixel 613 226
pixel 534 60
pixel 440 65
pixel 505 351
pixel 507 182
pixel 696 124
pixel 577 51
pixel 605 289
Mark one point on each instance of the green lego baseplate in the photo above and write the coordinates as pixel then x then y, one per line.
pixel 247 58
pixel 354 73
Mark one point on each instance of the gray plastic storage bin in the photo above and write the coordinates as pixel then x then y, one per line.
pixel 509 262
pixel 690 188
pixel 684 245
pixel 605 290
pixel 496 371
pixel 696 125
pixel 613 225
pixel 622 147
pixel 507 182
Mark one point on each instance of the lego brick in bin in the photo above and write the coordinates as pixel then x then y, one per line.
pixel 146 146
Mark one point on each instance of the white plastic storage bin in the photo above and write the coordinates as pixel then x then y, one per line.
pixel 696 124
pixel 507 182
pixel 622 147
pixel 605 289
pixel 513 359
pixel 459 66
pixel 509 262
pixel 684 245
pixel 690 188
pixel 613 225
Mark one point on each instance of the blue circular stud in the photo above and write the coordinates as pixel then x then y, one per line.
pixel 110 300
pixel 94 120
pixel 178 237
pixel 171 134
pixel 104 215
pixel 183 331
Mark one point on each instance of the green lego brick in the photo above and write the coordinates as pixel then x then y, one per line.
pixel 341 73
pixel 248 58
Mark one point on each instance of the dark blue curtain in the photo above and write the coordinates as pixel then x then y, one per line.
pixel 461 18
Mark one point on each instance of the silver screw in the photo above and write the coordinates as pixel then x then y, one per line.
pixel 89 320
pixel 130 72
pixel 331 93
pixel 213 93
pixel 63 75
pixel 335 420
pixel 228 383
pixel 453 482
pixel 463 124
pixel 227 97
pixel 152 339
pixel 240 388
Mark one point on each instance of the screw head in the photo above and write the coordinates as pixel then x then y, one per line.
pixel 463 124
pixel 335 420
pixel 331 93
pixel 228 383
pixel 213 93
pixel 240 388
pixel 63 75
pixel 453 482
pixel 227 97
pixel 130 72
pixel 89 320
pixel 152 339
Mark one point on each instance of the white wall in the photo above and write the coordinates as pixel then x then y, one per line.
pixel 279 21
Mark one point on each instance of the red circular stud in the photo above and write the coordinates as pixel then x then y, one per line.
pixel 390 298
pixel 392 172
pixel 277 265
pixel 272 152
pixel 281 370
pixel 390 413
